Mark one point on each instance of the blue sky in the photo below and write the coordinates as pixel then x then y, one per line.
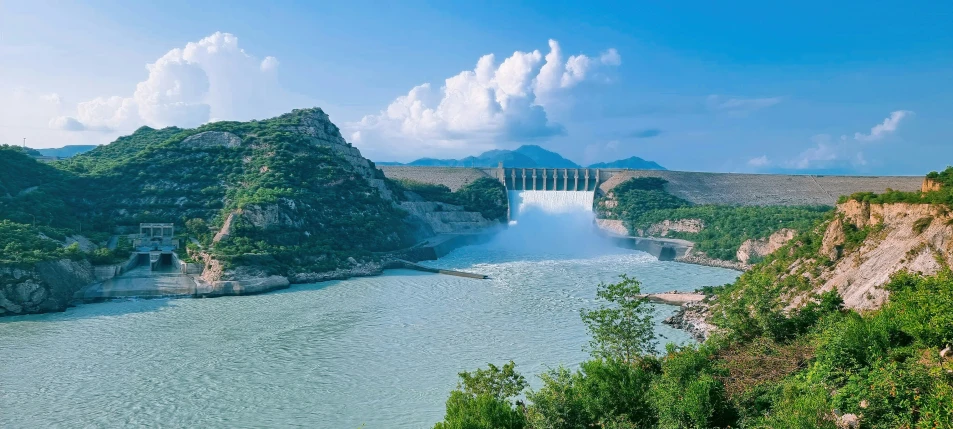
pixel 805 87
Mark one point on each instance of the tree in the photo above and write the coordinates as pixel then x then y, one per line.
pixel 621 328
pixel 484 400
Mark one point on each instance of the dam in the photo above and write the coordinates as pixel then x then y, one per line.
pixel 696 187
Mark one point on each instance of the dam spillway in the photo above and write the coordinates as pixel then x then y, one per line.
pixel 550 202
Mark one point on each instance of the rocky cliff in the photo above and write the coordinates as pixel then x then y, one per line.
pixel 900 236
pixel 45 287
pixel 752 251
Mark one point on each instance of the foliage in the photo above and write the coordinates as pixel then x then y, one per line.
pixel 22 245
pixel 770 366
pixel 944 178
pixel 942 196
pixel 643 202
pixel 602 393
pixel 637 197
pixel 922 224
pixel 484 195
pixel 326 209
pixel 621 327
pixel 688 394
pixel 484 400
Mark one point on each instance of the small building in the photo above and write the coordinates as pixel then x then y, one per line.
pixel 157 236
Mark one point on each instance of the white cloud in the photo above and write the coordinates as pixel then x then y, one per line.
pixel 477 108
pixel 761 161
pixel 827 153
pixel 186 87
pixel 269 64
pixel 610 57
pixel 888 126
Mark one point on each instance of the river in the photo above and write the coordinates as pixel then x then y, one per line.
pixel 382 351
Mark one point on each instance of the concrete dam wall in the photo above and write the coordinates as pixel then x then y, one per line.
pixel 699 188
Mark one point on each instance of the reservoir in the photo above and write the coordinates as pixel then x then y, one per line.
pixel 383 351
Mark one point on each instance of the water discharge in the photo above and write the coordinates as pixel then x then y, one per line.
pixel 384 350
pixel 552 224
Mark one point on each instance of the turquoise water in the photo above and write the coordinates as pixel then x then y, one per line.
pixel 381 351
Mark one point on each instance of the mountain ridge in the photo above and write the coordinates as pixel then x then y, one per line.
pixel 526 156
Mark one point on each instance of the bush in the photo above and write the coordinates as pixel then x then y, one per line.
pixel 484 400
pixel 688 394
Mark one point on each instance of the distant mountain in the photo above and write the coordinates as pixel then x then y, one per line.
pixel 634 163
pixel 544 158
pixel 526 156
pixel 529 156
pixel 67 151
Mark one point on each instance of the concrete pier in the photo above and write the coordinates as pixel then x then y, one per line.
pixel 413 266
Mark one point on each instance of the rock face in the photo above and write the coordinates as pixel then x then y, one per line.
pixel 210 139
pixel 442 218
pixel 834 238
pixel 48 286
pixel 893 244
pixel 751 250
pixel 662 229
pixel 692 317
pixel 322 132
pixel 930 185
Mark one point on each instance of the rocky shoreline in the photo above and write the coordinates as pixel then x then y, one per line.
pixel 712 262
pixel 692 317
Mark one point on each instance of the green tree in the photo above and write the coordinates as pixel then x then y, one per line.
pixel 621 328
pixel 603 393
pixel 484 399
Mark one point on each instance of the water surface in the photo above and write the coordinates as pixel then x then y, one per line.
pixel 383 351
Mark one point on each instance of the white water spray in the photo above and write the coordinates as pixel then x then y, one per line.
pixel 553 202
pixel 560 224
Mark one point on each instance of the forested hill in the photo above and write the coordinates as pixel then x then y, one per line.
pixel 296 196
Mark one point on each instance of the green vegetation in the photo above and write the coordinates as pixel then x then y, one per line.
pixel 485 195
pixel 21 245
pixel 815 367
pixel 643 202
pixel 621 330
pixel 298 204
pixel 942 196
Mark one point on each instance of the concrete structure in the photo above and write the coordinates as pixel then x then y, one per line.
pixel 145 275
pixel 156 236
pixel 698 188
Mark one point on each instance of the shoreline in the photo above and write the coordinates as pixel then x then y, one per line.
pixel 430 249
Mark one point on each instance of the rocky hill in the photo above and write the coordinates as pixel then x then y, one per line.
pixel 271 201
pixel 855 252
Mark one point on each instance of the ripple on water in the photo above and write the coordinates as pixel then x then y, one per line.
pixel 382 350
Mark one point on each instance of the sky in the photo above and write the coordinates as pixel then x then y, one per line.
pixel 804 87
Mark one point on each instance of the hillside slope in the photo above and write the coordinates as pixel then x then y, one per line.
pixel 275 201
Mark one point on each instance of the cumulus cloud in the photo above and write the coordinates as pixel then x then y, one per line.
pixel 210 78
pixel 888 126
pixel 476 108
pixel 610 57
